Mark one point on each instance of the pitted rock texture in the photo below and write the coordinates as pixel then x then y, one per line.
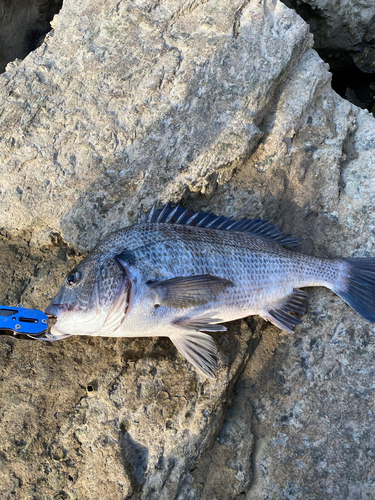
pixel 224 105
pixel 311 394
pixel 158 99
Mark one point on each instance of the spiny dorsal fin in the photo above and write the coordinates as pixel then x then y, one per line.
pixel 189 291
pixel 280 314
pixel 187 217
pixel 199 349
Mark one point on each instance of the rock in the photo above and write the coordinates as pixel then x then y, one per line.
pixel 337 26
pixel 23 25
pixel 169 103
pixel 225 105
pixel 344 34
pixel 311 393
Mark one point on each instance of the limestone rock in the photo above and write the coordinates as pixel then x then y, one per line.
pixel 223 104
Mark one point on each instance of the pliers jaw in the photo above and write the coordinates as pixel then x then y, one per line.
pixel 19 321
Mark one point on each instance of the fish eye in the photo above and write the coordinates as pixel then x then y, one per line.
pixel 73 278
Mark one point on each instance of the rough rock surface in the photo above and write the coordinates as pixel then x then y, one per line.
pixel 225 105
pixel 159 99
pixel 344 36
pixel 338 25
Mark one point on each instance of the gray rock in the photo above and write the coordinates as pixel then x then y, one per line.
pixel 155 101
pixel 365 59
pixel 222 104
pixel 338 25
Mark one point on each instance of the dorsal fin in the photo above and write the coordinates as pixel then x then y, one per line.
pixel 187 216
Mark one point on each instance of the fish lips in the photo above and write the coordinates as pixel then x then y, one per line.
pixel 55 310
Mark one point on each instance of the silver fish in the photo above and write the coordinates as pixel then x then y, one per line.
pixel 179 273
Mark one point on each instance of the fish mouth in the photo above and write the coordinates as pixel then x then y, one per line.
pixel 55 310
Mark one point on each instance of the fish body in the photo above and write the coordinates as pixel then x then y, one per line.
pixel 180 274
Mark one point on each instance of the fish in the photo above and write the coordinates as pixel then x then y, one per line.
pixel 180 273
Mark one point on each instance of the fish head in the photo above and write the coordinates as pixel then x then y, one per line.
pixel 93 299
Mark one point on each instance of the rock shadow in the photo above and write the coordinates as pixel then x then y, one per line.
pixel 136 459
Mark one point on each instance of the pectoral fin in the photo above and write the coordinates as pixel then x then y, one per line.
pixel 198 348
pixel 189 291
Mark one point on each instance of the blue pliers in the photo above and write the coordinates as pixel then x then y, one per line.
pixel 19 321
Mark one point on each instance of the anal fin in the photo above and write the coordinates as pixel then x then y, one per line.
pixel 280 315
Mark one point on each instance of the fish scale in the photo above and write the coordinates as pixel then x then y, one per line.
pixel 179 273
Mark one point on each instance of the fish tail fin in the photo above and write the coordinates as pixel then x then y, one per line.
pixel 359 289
